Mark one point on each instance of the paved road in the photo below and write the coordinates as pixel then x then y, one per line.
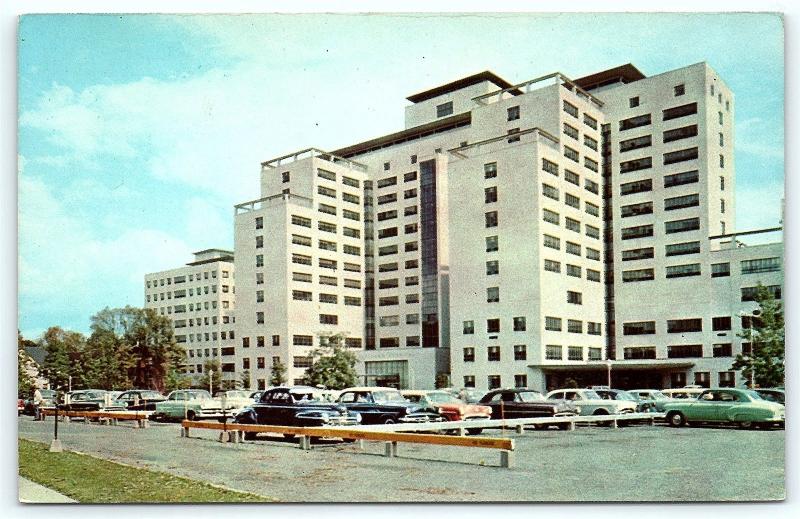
pixel 638 463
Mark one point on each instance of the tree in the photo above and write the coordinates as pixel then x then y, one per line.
pixel 206 380
pixel 64 357
pixel 764 366
pixel 175 379
pixel 442 380
pixel 107 361
pixel 333 365
pixel 27 369
pixel 277 376
pixel 244 378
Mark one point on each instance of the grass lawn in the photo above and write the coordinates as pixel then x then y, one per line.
pixel 91 480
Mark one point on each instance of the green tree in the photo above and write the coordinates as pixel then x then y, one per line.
pixel 333 365
pixel 442 380
pixel 764 367
pixel 207 378
pixel 176 379
pixel 64 357
pixel 244 379
pixel 26 370
pixel 277 376
pixel 107 361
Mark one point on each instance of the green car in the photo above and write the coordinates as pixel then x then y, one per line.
pixel 191 404
pixel 742 407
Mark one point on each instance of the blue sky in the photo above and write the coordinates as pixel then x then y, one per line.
pixel 138 134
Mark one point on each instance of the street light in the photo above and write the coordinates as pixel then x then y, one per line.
pixel 608 365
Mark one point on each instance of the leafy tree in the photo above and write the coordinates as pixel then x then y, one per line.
pixel 107 361
pixel 27 369
pixel 206 380
pixel 277 375
pixel 64 357
pixel 765 365
pixel 176 379
pixel 442 380
pixel 244 379
pixel 333 365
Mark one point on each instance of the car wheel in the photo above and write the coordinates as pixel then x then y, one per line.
pixel 191 415
pixel 563 426
pixel 601 412
pixel 389 421
pixel 746 425
pixel 474 431
pixel 540 426
pixel 249 436
pixel 676 419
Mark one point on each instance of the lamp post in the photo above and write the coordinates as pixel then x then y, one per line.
pixel 55 445
pixel 608 366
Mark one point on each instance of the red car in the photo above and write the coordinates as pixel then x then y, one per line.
pixel 20 406
pixel 450 407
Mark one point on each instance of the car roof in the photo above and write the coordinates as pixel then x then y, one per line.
pixel 368 388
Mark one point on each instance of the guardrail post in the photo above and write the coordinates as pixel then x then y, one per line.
pixel 652 420
pixel 462 431
pixel 520 429
pixel 136 424
pixel 360 444
pixel 233 436
pixel 506 458
pixel 305 443
pixel 390 449
pixel 145 423
pixel 185 432
pixel 223 438
pixel 614 424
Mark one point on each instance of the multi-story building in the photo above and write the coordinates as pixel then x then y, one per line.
pixel 199 299
pixel 512 235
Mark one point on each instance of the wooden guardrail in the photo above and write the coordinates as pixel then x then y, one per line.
pixel 391 439
pixel 141 418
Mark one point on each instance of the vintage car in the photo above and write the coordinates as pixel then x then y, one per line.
pixel 590 403
pixel 772 394
pixel 235 399
pixel 141 399
pixel 449 406
pixel 654 397
pixel 48 401
pixel 682 393
pixel 91 400
pixel 191 404
pixel 471 396
pixel 297 406
pixel 642 405
pixel 741 407
pixel 523 402
pixel 385 405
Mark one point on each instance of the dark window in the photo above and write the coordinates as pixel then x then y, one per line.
pixel 680 156
pixel 639 186
pixel 469 327
pixel 640 352
pixel 519 324
pixel 723 350
pixel 637 209
pixel 490 170
pixel 634 122
pixel 680 202
pixel 685 351
pixel 680 133
pixel 680 271
pixel 749 293
pixel 679 249
pixel 721 323
pixel 639 328
pixel 469 354
pixel 490 194
pixel 679 179
pixel 629 276
pixel 684 325
pixel 640 231
pixel 444 109
pixel 493 353
pixel 635 143
pixel 637 254
pixel 491 219
pixel 633 102
pixel 719 270
pixel 492 268
pixel 761 265
pixel 513 113
pixel 285 176
pixel 520 352
pixel 676 226
pixel 575 298
pixel 492 325
pixel 680 111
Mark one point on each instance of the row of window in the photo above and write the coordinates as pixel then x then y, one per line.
pixel 179 294
pixel 570 176
pixel 694 269
pixel 321 225
pixel 411 341
pixel 695 324
pixel 553 242
pixel 207 336
pixel 571 270
pixel 494 381
pixel 202 321
pixel 666 115
pixel 678 351
pixel 212 274
pixel 670 204
pixel 191 307
pixel 571 224
pixel 554 324
pixel 569 199
pixel 200 353
pixel 493 353
pixel 302 295
pixel 671 227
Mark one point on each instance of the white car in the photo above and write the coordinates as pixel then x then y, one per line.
pixel 590 403
pixel 235 400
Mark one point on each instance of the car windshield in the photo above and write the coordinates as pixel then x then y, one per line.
pixel 530 396
pixel 198 395
pixel 236 394
pixel 753 394
pixel 443 398
pixel 150 394
pixel 656 395
pixel 624 395
pixel 591 395
pixel 388 396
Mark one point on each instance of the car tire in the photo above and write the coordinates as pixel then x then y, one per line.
pixel 191 415
pixel 474 431
pixel 250 436
pixel 601 412
pixel 746 425
pixel 540 426
pixel 563 427
pixel 676 419
pixel 389 421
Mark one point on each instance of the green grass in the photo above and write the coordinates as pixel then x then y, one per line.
pixel 91 480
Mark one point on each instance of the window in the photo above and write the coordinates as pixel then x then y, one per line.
pixel 493 353
pixel 592 232
pixel 722 350
pixel 513 113
pixel 259 317
pixel 492 268
pixel 353 199
pixel 676 226
pixel 679 111
pixel 469 354
pixel 410 176
pixel 572 224
pixel 386 182
pixel 493 381
pixel 640 352
pixel 749 293
pixel 550 191
pixel 635 143
pixel 684 351
pixel 639 328
pixel 350 182
pixel 679 90
pixel 491 219
pixel 469 327
pixel 572 177
pixel 679 249
pixel 593 328
pixel 386 166
pixel 722 161
pixel 552 324
pixel 679 179
pixel 684 325
pixel 593 275
pixel 571 109
pixel 721 323
pixel 550 216
pixel 590 142
pixel 412 318
pixel 491 244
pixel 720 270
pixel 389 342
pixel 575 298
pixel 590 164
pixel 680 156
pixel 761 265
pixel 630 276
pixel 493 295
pixel 490 170
pixel 519 324
pixel 389 320
pixel 327 245
pixel 552 266
pixel 326 227
pixel 301 221
pixel 327 263
pixel 634 122
pixel 592 186
pixel 552 352
pixel 389 301
pixel 636 209
pixel 572 200
pixel 573 248
pixel 259 263
pixel 520 352
pixel 570 131
pixel 385 199
pixel 388 232
pixel 680 271
pixel 633 102
pixel 571 154
pixel 552 242
pixel 573 270
pixel 637 254
pixel 388 250
pixel 727 379
pixel 490 194
pixel 245 342
pixel 640 231
pixel 302 340
pixel 410 228
pixel 492 325
pixel 574 353
pixel 387 215
pixel 469 380
pixel 680 133
pixel 301 295
pixel 636 165
pixel 352 250
pixel 444 109
pixel 574 326
pixel 681 202
pixel 259 222
pixel 590 121
pixel 328 319
pixel 328 298
pixel 410 193
pixel 639 186
pixel 324 191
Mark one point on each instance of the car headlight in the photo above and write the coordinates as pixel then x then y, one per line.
pixel 358 417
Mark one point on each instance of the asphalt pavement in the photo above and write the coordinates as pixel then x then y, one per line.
pixel 635 463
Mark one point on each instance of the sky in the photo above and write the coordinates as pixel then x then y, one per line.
pixel 138 133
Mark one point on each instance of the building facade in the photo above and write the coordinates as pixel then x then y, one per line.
pixel 199 298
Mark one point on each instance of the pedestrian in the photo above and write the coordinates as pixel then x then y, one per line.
pixel 37 404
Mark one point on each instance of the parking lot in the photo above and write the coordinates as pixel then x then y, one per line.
pixel 639 463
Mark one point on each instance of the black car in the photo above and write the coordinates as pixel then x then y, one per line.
pixel 294 407
pixel 91 400
pixel 385 405
pixel 526 403
pixel 141 399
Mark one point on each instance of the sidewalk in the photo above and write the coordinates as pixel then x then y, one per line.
pixel 30 492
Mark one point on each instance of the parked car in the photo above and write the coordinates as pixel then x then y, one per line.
pixel 654 397
pixel 590 403
pixel 683 393
pixel 235 400
pixel 256 395
pixel 772 394
pixel 192 404
pixel 471 396
pixel 297 406
pixel 526 403
pixel 20 406
pixel 385 405
pixel 141 399
pixel 48 396
pixel 91 400
pixel 642 406
pixel 327 395
pixel 449 406
pixel 741 407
